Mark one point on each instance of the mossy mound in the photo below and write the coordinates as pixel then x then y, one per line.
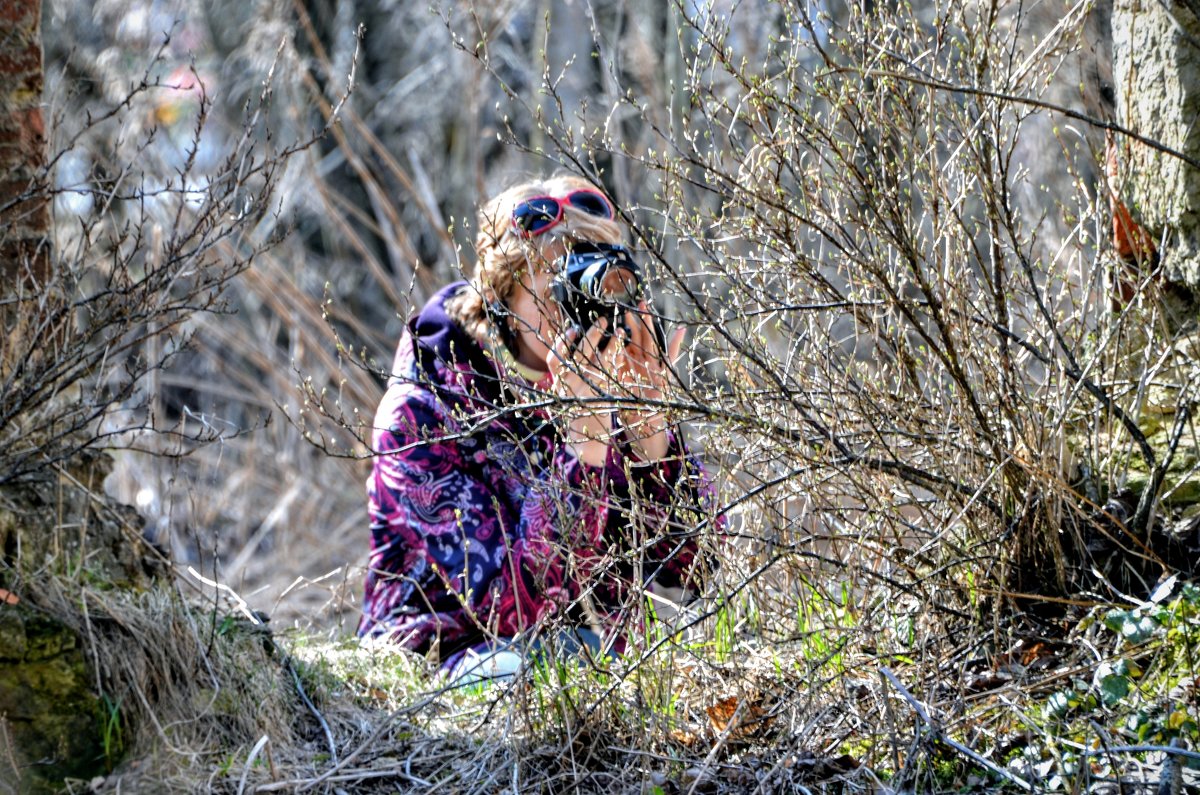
pixel 49 713
pixel 54 723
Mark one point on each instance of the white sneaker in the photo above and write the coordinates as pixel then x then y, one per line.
pixel 490 665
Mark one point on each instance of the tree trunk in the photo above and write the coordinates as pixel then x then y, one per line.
pixel 49 712
pixel 24 200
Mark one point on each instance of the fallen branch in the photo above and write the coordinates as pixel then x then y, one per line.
pixel 1143 749
pixel 938 735
pixel 346 777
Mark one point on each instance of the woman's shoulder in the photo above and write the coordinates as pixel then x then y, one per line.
pixel 410 405
pixel 444 354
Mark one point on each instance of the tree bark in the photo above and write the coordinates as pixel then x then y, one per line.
pixel 24 200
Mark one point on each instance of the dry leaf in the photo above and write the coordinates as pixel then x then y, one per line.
pixel 683 737
pixel 1033 653
pixel 722 712
pixel 750 719
pixel 8 597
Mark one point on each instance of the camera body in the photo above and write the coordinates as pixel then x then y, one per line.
pixel 596 280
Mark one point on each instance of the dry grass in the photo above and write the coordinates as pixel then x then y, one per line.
pixel 211 701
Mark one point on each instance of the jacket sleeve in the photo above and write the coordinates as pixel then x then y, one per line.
pixel 450 564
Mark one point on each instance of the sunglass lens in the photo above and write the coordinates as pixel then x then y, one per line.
pixel 591 203
pixel 535 215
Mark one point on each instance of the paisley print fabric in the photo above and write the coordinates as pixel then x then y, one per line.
pixel 484 526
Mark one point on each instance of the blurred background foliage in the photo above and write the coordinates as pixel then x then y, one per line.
pixel 379 215
pixel 695 117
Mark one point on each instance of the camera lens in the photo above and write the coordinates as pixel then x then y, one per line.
pixel 617 286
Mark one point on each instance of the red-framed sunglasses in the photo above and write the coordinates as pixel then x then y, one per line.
pixel 534 216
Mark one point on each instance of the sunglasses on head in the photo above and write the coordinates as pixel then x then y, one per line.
pixel 536 215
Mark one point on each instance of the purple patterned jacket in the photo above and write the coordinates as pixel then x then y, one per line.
pixel 484 524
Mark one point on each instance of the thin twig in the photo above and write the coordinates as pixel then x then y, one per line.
pixel 1103 737
pixel 1141 517
pixel 955 88
pixel 384 725
pixel 348 776
pixel 254 752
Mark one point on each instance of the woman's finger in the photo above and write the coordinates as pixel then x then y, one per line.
pixel 642 340
pixel 590 347
pixel 568 345
pixel 675 345
pixel 560 349
pixel 576 362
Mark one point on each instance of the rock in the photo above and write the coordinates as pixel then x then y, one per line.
pixel 1156 71
pixel 1159 414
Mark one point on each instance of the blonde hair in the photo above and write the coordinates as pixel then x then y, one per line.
pixel 502 254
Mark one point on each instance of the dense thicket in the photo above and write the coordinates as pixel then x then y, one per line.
pixel 927 387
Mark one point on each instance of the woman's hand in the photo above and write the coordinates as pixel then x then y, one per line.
pixel 631 366
pixel 582 373
pixel 643 374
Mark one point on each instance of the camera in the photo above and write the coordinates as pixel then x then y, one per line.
pixel 596 280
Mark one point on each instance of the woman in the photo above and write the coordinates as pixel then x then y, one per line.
pixel 508 499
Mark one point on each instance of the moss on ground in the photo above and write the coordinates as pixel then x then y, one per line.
pixel 53 719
